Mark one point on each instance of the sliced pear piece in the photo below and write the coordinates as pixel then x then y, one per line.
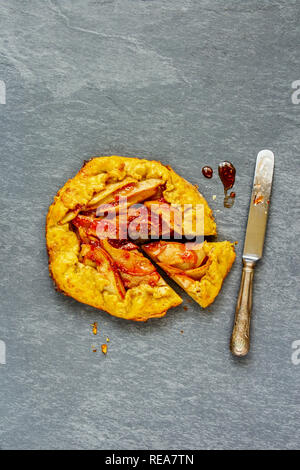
pixel 106 194
pixel 198 273
pixel 172 253
pixel 133 267
pixel 70 215
pixel 170 216
pixel 142 190
pixel 131 262
pixel 105 267
pixel 134 193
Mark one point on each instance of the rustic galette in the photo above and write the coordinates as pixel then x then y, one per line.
pixel 99 221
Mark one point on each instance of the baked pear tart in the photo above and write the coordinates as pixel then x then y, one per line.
pixel 99 221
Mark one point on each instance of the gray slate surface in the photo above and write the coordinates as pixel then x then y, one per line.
pixel 188 82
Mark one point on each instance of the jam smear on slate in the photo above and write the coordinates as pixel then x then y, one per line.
pixel 227 176
pixel 207 171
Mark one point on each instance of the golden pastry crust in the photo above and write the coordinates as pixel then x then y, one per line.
pixel 84 280
pixel 199 271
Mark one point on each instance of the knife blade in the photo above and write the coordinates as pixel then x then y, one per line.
pixel 253 249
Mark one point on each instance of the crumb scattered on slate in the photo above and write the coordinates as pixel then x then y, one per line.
pixel 95 327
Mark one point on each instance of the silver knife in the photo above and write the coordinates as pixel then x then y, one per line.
pixel 253 249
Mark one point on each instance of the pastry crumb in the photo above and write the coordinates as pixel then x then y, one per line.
pixel 214 197
pixel 185 308
pixel 95 327
pixel 104 348
pixel 181 331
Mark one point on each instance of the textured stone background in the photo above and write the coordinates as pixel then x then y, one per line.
pixel 188 82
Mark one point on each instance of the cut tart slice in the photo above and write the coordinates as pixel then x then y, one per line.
pixel 200 271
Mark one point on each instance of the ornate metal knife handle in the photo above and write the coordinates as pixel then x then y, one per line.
pixel 240 339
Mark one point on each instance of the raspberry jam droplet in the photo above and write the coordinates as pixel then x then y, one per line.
pixel 227 176
pixel 207 171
